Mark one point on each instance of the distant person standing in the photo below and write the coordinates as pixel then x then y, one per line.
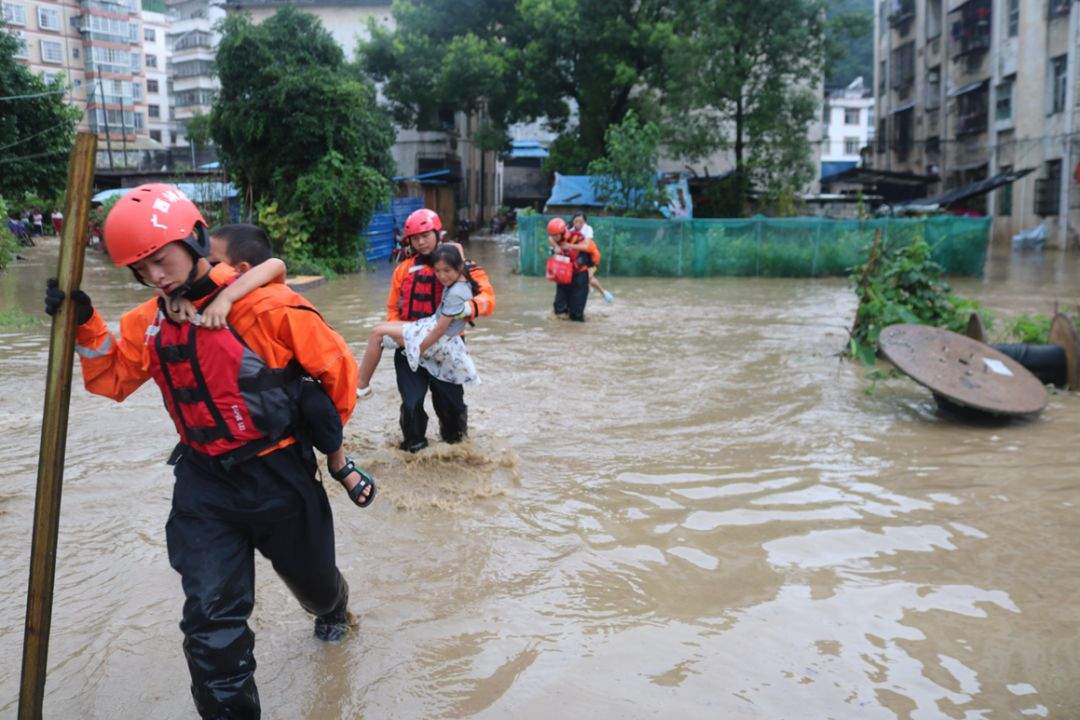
pixel 57 222
pixel 39 222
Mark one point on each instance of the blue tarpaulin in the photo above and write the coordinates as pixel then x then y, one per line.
pixel 199 192
pixel 379 234
pixel 835 167
pixel 578 191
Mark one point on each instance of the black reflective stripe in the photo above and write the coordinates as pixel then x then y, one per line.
pixel 270 378
pixel 245 452
pixel 188 395
pixel 200 382
pixel 204 435
pixel 171 353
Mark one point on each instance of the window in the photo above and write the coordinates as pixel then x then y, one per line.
pixel 1003 106
pixel 192 68
pixel 197 96
pixel 154 111
pixel 173 138
pixel 882 139
pixel 135 64
pixel 155 135
pixel 149 35
pixel 1058 66
pixel 151 86
pixel 903 66
pixel 14 14
pixel 139 122
pixel 903 133
pixel 20 45
pixel 1004 194
pixel 851 146
pixel 1048 190
pixel 108 59
pixel 1013 18
pixel 882 76
pixel 107 29
pixel 192 39
pixel 48 19
pixel 1058 8
pixel 825 114
pixel 75 53
pixel 78 83
pixel 49 77
pixel 933 19
pixel 52 51
pixel 933 88
pixel 851 116
pixel 151 60
pixel 972 109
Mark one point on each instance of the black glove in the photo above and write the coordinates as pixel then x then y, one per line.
pixel 84 309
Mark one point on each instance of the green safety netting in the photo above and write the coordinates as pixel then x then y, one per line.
pixel 759 246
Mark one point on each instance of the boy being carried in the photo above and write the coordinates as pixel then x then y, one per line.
pixel 246 248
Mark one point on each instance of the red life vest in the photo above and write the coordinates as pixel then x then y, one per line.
pixel 421 292
pixel 224 399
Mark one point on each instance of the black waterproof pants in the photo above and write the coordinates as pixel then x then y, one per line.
pixel 447 398
pixel 570 299
pixel 272 504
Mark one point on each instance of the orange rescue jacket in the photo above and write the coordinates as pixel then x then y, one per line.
pixel 275 322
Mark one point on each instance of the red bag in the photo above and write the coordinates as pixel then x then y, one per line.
pixel 560 270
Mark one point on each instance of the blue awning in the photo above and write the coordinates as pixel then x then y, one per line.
pixel 526 149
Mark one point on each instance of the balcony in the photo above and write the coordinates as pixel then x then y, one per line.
pixel 972 28
pixel 971 124
pixel 901 14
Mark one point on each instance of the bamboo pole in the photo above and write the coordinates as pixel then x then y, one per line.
pixel 80 185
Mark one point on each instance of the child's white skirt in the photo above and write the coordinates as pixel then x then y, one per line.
pixel 448 359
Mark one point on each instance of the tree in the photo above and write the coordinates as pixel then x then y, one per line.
pixel 199 130
pixel 625 179
pixel 297 128
pixel 746 80
pixel 850 35
pixel 37 128
pixel 555 59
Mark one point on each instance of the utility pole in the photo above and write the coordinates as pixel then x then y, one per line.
pixel 123 127
pixel 105 114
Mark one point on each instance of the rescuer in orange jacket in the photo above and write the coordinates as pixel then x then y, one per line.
pixel 570 298
pixel 242 480
pixel 415 293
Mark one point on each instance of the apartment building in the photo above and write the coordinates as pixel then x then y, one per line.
pixel 969 89
pixel 848 117
pixel 95 47
pixel 192 43
pixel 155 30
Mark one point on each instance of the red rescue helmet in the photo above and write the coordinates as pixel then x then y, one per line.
pixel 556 226
pixel 422 221
pixel 150 217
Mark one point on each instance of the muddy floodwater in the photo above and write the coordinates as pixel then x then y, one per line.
pixel 687 507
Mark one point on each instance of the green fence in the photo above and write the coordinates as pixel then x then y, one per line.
pixel 759 246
